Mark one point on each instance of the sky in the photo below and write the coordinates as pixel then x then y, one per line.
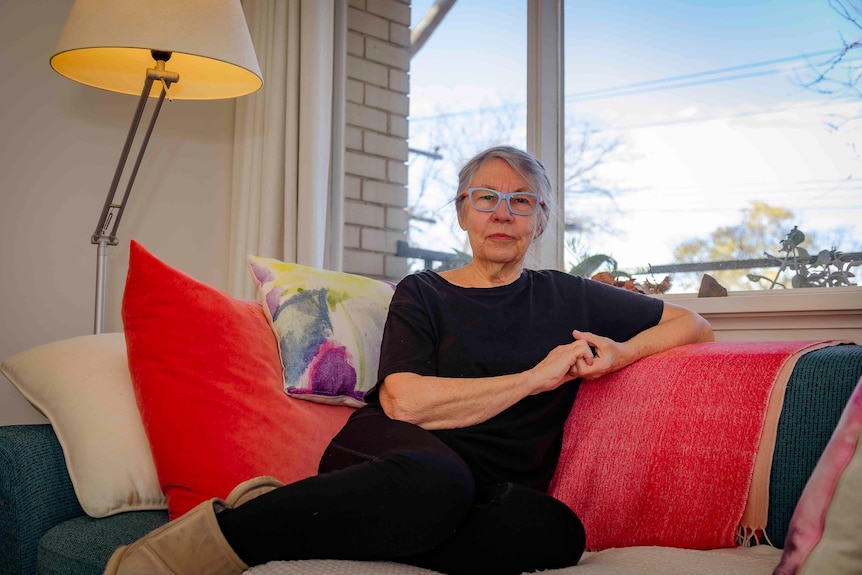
pixel 705 99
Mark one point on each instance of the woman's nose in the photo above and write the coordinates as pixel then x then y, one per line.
pixel 502 213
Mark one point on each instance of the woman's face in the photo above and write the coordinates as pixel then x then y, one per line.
pixel 500 236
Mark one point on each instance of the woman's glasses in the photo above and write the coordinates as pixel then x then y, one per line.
pixel 487 200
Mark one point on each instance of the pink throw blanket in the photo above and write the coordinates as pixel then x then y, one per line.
pixel 663 451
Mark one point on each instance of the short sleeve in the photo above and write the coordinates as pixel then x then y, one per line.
pixel 409 340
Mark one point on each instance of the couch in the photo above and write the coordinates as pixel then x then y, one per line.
pixel 710 458
pixel 44 529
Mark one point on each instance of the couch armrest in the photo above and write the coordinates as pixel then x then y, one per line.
pixel 817 391
pixel 36 493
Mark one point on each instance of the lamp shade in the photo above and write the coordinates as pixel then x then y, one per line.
pixel 106 44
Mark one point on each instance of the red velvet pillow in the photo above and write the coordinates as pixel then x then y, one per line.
pixel 208 382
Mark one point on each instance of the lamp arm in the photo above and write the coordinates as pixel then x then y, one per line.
pixel 112 211
pixel 108 213
pixel 137 165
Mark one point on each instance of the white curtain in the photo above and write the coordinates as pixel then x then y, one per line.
pixel 287 187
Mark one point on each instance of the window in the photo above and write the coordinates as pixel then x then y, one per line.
pixel 697 133
pixel 468 91
pixel 692 134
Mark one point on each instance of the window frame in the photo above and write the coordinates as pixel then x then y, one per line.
pixel 546 116
pixel 797 313
pixel 785 314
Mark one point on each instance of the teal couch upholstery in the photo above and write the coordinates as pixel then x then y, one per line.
pixel 44 530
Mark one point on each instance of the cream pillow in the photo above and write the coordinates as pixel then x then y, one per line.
pixel 82 385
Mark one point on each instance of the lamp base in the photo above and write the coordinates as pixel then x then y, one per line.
pixel 101 284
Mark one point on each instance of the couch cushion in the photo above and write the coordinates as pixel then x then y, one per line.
pixel 758 560
pixel 337 567
pixel 83 545
pixel 329 327
pixel 207 375
pixel 82 386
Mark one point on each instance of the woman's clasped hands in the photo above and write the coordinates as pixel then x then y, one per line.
pixel 589 356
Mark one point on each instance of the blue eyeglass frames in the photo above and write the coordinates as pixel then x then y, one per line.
pixel 488 200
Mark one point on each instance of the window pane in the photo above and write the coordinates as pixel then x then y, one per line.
pixel 467 92
pixel 694 134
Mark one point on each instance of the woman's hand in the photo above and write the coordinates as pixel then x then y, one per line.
pixel 677 326
pixel 564 363
pixel 608 356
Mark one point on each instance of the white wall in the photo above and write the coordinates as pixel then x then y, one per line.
pixel 60 144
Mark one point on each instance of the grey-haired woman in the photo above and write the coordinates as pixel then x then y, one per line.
pixel 448 465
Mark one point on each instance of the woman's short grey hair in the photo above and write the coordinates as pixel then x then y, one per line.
pixel 525 165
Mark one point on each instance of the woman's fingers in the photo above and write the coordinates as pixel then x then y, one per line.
pixel 604 350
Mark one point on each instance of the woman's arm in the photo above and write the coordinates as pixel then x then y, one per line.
pixel 677 326
pixel 449 403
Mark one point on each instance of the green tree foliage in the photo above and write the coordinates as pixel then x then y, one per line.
pixel 760 230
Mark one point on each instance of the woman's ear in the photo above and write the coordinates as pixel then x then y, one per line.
pixel 461 224
pixel 538 228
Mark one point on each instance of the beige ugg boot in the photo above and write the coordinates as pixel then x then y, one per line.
pixel 193 543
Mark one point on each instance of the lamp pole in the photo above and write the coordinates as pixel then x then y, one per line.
pixel 112 211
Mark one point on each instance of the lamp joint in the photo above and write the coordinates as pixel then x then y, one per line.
pixel 99 238
pixel 160 56
pixel 169 77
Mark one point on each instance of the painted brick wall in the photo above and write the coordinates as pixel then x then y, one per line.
pixel 378 84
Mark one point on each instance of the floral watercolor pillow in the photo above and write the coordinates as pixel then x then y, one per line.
pixel 328 325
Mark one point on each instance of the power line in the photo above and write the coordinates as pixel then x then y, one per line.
pixel 671 82
pixel 716 209
pixel 837 184
pixel 735 115
pixel 707 77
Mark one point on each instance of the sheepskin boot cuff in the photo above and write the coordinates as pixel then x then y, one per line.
pixel 248 490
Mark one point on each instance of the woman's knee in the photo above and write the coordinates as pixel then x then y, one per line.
pixel 428 493
pixel 440 483
pixel 530 515
pixel 511 529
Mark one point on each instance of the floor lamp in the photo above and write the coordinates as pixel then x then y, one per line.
pixel 179 49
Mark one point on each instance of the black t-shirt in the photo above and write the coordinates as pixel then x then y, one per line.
pixel 436 328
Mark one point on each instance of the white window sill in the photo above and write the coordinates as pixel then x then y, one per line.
pixel 791 314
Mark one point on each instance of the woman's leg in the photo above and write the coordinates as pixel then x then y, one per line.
pixel 387 489
pixel 511 529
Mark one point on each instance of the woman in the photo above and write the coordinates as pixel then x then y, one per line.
pixel 448 464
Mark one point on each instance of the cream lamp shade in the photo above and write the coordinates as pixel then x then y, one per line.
pixel 179 49
pixel 109 44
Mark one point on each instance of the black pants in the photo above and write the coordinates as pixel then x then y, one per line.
pixel 389 490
